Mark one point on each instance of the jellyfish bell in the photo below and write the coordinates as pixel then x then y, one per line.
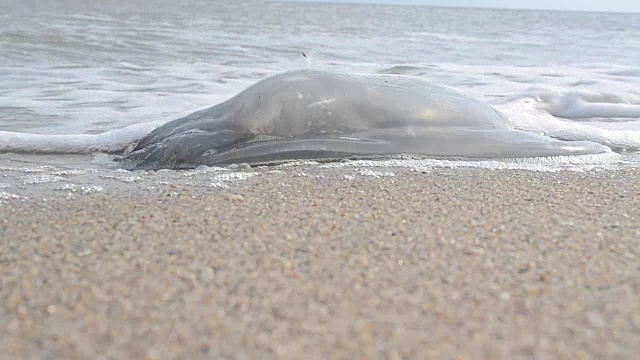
pixel 314 114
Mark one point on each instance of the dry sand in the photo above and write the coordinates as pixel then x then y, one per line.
pixel 452 263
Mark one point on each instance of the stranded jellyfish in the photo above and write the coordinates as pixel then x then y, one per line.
pixel 314 114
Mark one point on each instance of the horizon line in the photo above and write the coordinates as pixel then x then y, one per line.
pixel 384 3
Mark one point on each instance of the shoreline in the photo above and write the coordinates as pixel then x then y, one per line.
pixel 328 263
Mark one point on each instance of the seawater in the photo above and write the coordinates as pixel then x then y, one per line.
pixel 121 68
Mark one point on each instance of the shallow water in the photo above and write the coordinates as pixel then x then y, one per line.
pixel 81 67
pixel 21 180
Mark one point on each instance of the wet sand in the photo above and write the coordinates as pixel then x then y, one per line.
pixel 450 263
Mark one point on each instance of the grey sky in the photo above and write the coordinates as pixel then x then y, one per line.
pixel 591 5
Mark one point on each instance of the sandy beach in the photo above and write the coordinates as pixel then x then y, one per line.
pixel 449 263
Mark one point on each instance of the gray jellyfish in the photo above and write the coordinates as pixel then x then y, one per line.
pixel 314 114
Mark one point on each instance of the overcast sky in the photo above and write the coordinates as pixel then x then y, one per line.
pixel 595 5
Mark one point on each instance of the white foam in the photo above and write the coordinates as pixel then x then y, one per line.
pixel 203 169
pixel 581 105
pixel 42 179
pixel 110 142
pixel 124 179
pixel 88 189
pixel 577 163
pixel 533 115
pixel 222 180
pixel 9 196
pixel 375 174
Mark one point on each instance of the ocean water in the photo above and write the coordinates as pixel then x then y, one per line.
pixel 122 68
